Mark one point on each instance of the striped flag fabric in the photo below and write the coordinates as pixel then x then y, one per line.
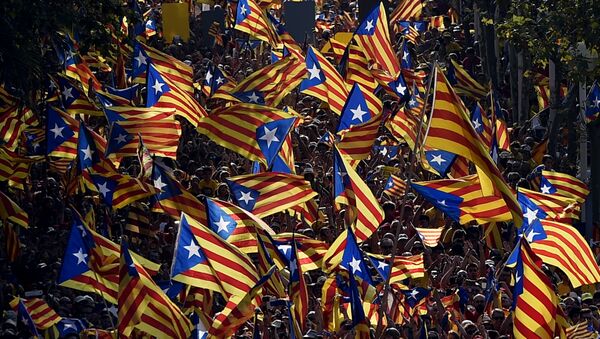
pixel 252 20
pixel 310 251
pixel 130 113
pixel 373 36
pixel 14 168
pixel 498 120
pixel 173 197
pixel 162 93
pixel 543 94
pixel 535 299
pixel 10 211
pixel 356 67
pixel 581 330
pixel 297 288
pixel 430 236
pixel 557 207
pixel 404 124
pixel 265 261
pixel 13 244
pixel 217 84
pixel 395 186
pixel 138 220
pixel 267 193
pixel 564 247
pixel 235 127
pixel 357 109
pixel 42 315
pixel 592 103
pixel 161 138
pixel 215 31
pixel 482 124
pixel 463 82
pixel 463 199
pixel 143 305
pixel 74 100
pixel 450 130
pixel 204 259
pixel 120 190
pixel 407 10
pixel 13 121
pixel 145 158
pixel 564 185
pixel 338 49
pixel 358 140
pixel 324 82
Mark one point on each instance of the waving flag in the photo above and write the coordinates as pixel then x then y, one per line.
pixel 267 193
pixel 160 137
pixel 450 130
pixel 373 36
pixel 74 100
pixel 355 110
pixel 356 67
pixel 143 305
pixel 163 93
pixel 15 168
pixel 324 82
pixel 37 311
pixel 120 190
pixel 463 200
pixel 415 296
pixel 463 82
pixel 218 84
pixel 130 113
pixel 358 141
pixel 61 134
pixel 24 316
pixel 235 128
pixel 297 287
pixel 252 20
pixel 557 208
pixel 592 104
pixel 406 61
pixel 13 121
pixel 10 211
pixel 175 71
pixel 532 215
pixel 310 251
pixel 203 258
pixel 395 186
pixel 268 85
pixel 173 198
pixel 535 299
pixel 498 120
pixel 407 10
pixel 145 158
pixel 430 236
pixel 482 125
pixel 564 185
pixel 265 246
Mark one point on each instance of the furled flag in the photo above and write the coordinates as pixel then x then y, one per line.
pixel 373 36
pixel 203 259
pixel 13 244
pixel 35 312
pixel 297 287
pixel 535 299
pixel 430 236
pixel 252 20
pixel 145 158
pixel 324 82
pixel 354 66
pixel 592 104
pixel 406 61
pixel 463 200
pixel 463 82
pixel 450 130
pixel 160 137
pixel 498 121
pixel 482 125
pixel 395 186
pixel 240 127
pixel 564 185
pixel 267 193
pixel 143 305
pixel 162 93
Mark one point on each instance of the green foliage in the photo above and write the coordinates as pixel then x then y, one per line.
pixel 27 29
pixel 551 29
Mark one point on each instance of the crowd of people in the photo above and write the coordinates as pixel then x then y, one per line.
pixel 464 261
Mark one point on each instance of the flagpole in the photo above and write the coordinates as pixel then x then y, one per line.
pixel 411 169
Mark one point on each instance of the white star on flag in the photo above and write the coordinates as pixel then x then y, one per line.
pixel 208 77
pixel 246 197
pixel 314 72
pixel 193 249
pixel 545 189
pixel 476 124
pixel 121 138
pixel 80 256
pixel 355 264
pixel 438 159
pixel 103 189
pixel 284 248
pixel 141 59
pixel 57 131
pixel 222 225
pixel 253 97
pixel 269 136
pixel 369 25
pixel 358 113
pixel 530 215
pixel 159 184
pixel 87 153
pixel 67 93
pixel 158 86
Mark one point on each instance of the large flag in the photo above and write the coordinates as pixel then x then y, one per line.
pixel 463 199
pixel 557 207
pixel 564 185
pixel 173 197
pixel 324 82
pixel 74 100
pixel 162 93
pixel 203 258
pixel 535 299
pixel 267 193
pixel 143 305
pixel 463 82
pixel 248 129
pixel 160 137
pixel 450 130
pixel 374 37
pixel 252 20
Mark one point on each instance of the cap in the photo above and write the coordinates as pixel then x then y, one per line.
pixel 587 296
